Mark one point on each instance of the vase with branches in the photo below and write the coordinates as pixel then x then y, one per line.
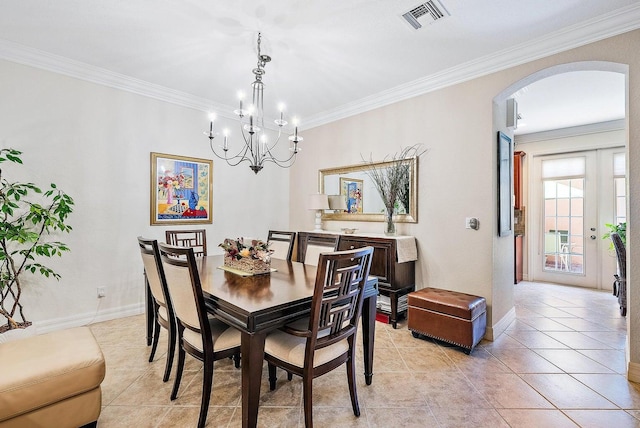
pixel 28 216
pixel 392 182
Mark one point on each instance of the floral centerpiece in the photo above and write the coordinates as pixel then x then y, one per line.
pixel 253 257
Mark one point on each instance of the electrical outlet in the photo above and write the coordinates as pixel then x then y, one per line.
pixel 102 291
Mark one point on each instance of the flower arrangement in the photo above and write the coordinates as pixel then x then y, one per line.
pixel 169 183
pixel 254 257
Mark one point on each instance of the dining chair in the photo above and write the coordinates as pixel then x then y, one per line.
pixel 620 283
pixel 199 335
pixel 163 314
pixel 317 244
pixel 281 244
pixel 328 339
pixel 196 239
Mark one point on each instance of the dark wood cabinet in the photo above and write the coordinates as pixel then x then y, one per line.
pixel 517 179
pixel 518 261
pixel 395 280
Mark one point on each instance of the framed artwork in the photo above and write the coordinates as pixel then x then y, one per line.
pixel 505 177
pixel 351 188
pixel 181 190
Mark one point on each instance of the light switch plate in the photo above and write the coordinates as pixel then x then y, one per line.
pixel 472 223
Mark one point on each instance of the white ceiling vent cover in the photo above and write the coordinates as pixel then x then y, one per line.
pixel 426 13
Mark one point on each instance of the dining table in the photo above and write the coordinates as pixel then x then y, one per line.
pixel 258 304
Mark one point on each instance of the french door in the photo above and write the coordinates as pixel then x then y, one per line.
pixel 573 197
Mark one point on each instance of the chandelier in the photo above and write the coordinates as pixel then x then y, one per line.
pixel 257 147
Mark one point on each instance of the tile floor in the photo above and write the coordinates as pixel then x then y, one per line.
pixel 561 363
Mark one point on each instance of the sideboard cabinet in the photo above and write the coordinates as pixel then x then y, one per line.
pixel 395 279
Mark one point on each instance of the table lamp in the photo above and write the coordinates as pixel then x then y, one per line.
pixel 337 203
pixel 318 202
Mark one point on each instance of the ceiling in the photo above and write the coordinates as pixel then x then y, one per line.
pixel 331 58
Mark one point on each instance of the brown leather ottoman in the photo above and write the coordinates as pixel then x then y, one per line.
pixel 450 316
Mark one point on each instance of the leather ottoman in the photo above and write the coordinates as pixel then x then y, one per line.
pixel 449 316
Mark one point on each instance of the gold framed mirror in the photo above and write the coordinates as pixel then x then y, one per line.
pixel 353 195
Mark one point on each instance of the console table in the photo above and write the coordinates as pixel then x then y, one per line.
pixel 393 263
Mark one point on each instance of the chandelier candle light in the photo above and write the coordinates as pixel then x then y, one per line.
pixel 256 149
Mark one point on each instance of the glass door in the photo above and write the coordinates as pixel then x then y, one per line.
pixel 566 236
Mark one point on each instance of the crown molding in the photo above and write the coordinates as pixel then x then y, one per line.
pixel 592 128
pixel 21 54
pixel 608 25
pixel 612 24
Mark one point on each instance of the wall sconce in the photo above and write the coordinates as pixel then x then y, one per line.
pixel 318 202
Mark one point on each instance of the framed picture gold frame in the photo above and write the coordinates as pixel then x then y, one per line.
pixel 181 190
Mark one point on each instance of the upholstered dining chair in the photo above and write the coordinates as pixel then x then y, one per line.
pixel 205 338
pixel 315 245
pixel 329 337
pixel 281 244
pixel 196 239
pixel 163 315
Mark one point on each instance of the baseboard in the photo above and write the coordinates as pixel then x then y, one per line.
pixel 633 372
pixel 88 318
pixel 493 332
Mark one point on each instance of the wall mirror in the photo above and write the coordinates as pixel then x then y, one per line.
pixel 353 195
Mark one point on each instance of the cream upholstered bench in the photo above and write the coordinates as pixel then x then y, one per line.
pixel 51 380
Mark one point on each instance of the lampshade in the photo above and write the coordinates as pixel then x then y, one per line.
pixel 318 201
pixel 337 202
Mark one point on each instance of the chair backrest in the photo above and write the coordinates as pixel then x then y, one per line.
pixel 621 253
pixel 281 244
pixel 183 281
pixel 154 271
pixel 315 245
pixel 196 239
pixel 337 297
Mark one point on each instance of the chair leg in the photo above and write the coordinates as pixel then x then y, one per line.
pixel 236 360
pixel 272 376
pixel 307 387
pixel 351 377
pixel 289 376
pixel 170 354
pixel 176 383
pixel 156 339
pixel 207 381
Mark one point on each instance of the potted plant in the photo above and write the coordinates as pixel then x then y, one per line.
pixel 620 229
pixel 392 183
pixel 28 216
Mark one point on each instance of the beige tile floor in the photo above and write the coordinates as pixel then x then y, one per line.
pixel 561 363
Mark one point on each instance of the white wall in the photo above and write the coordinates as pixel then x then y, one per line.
pixel 95 142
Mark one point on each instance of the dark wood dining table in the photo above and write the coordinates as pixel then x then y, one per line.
pixel 258 304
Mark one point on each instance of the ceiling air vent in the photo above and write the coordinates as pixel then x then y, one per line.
pixel 426 13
